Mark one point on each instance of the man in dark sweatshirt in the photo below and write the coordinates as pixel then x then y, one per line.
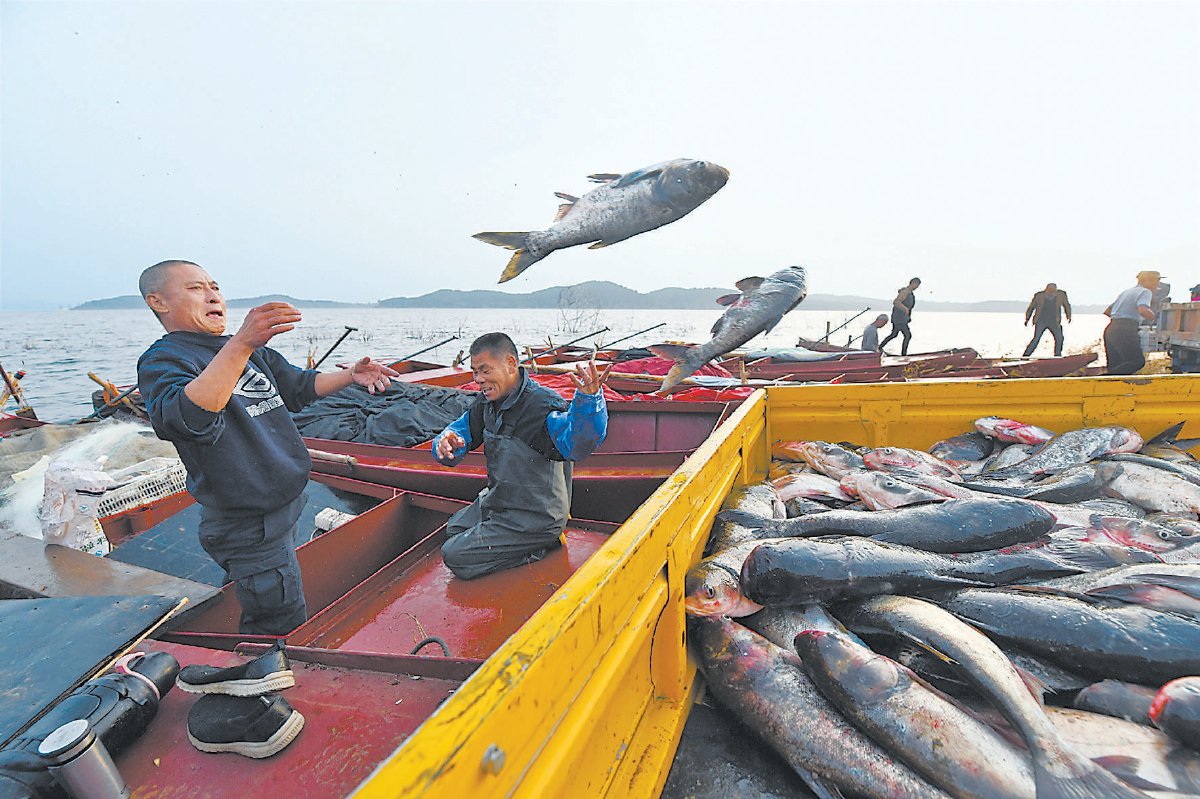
pixel 225 402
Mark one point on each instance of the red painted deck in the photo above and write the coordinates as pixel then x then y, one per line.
pixel 377 584
pixel 409 601
pixel 353 719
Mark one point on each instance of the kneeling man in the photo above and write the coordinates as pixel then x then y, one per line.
pixel 530 436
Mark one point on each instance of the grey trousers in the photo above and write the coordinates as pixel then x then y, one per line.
pixel 475 547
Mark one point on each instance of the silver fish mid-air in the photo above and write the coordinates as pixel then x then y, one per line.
pixel 623 207
pixel 759 307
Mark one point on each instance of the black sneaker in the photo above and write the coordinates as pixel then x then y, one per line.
pixel 255 727
pixel 268 672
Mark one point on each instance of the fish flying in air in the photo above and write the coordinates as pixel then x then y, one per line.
pixel 621 208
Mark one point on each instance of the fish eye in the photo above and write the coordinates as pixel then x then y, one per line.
pixel 1164 535
pixel 710 592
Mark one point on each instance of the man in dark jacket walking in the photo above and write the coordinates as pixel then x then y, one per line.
pixel 225 402
pixel 1046 309
pixel 531 437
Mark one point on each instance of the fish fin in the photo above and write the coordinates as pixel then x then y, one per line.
pixel 520 261
pixel 606 242
pixel 563 210
pixel 672 352
pixel 1169 435
pixel 1074 554
pixel 1036 686
pixel 772 323
pixel 749 284
pixel 1126 768
pixel 562 195
pixel 715 330
pixel 510 241
pixel 603 177
pixel 748 520
pixel 629 178
pixel 728 299
pixel 1124 591
pixel 1187 443
pixel 1083 779
pixel 823 788
pixel 1179 582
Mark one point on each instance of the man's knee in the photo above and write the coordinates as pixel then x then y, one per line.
pixel 272 601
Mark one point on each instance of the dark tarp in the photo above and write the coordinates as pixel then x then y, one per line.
pixel 405 415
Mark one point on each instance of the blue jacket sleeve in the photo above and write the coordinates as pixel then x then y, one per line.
pixel 297 386
pixel 581 428
pixel 162 378
pixel 462 426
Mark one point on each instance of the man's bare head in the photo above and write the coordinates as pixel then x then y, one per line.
pixel 183 297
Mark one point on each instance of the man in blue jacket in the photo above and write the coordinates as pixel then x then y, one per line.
pixel 224 402
pixel 531 436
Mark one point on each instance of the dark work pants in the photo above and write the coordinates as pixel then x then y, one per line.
pixel 898 329
pixel 475 547
pixel 258 554
pixel 1039 330
pixel 1122 348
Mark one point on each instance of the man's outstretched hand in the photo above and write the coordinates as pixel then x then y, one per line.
pixel 589 380
pixel 447 444
pixel 372 375
pixel 265 322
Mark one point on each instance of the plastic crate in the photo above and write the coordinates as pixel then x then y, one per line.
pixel 145 489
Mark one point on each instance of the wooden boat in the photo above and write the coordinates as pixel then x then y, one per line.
pixel 11 423
pixel 646 442
pixel 569 677
pixel 903 367
pixel 589 697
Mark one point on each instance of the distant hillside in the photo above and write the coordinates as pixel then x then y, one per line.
pixel 128 301
pixel 594 294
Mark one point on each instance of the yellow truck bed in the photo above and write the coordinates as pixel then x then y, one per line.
pixel 589 697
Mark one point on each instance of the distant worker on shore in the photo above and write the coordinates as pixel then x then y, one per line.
pixel 225 402
pixel 1195 292
pixel 870 336
pixel 1122 346
pixel 901 315
pixel 531 437
pixel 1047 308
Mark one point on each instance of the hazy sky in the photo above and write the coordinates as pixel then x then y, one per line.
pixel 348 151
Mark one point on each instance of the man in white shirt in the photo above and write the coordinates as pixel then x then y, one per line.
pixel 1122 348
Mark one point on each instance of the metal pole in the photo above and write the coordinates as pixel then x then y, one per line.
pixel 843 324
pixel 631 335
pixel 111 403
pixel 427 349
pixel 329 352
pixel 569 343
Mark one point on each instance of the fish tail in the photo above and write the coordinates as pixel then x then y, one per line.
pixel 1060 773
pixel 521 260
pixel 684 363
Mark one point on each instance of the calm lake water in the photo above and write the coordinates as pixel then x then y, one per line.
pixel 57 349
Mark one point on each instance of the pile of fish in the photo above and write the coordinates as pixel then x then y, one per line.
pixel 1014 614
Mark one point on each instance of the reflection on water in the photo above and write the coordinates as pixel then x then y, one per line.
pixel 59 348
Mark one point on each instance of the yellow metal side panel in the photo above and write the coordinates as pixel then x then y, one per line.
pixel 919 414
pixel 588 698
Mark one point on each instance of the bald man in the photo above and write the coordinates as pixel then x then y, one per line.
pixel 225 402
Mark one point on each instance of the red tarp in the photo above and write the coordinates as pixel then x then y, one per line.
pixel 660 366
pixel 560 384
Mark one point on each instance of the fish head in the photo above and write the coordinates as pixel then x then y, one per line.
pixel 884 458
pixel 789 450
pixel 1012 432
pixel 882 491
pixel 1184 688
pixel 710 589
pixel 830 459
pixel 690 182
pixel 1139 534
pixel 864 674
pixel 1124 440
